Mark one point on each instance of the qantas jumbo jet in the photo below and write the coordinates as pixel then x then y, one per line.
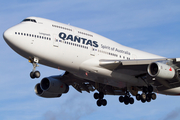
pixel 92 62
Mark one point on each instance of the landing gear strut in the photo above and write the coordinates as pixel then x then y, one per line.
pixel 34 73
pixel 100 101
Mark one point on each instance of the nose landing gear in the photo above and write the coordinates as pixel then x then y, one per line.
pixel 34 73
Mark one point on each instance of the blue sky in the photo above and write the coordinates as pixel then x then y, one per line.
pixel 152 26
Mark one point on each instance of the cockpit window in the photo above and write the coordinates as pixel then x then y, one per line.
pixel 31 20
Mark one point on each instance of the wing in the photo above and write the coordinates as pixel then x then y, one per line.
pixel 139 68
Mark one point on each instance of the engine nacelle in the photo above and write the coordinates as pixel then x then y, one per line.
pixel 160 70
pixel 43 93
pixel 53 85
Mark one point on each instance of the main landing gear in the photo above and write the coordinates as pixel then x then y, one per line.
pixel 100 101
pixel 127 99
pixel 146 95
pixel 34 73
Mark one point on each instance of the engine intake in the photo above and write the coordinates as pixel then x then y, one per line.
pixel 53 85
pixel 160 70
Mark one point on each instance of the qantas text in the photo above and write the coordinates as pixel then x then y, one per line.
pixel 78 39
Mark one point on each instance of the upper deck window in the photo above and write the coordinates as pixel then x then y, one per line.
pixel 31 20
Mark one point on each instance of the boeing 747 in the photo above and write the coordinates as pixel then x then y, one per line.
pixel 92 62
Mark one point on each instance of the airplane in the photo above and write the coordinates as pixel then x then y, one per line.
pixel 91 62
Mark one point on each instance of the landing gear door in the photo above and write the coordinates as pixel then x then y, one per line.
pixel 55 41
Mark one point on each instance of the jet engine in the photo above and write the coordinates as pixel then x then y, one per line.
pixel 160 70
pixel 51 87
pixel 43 93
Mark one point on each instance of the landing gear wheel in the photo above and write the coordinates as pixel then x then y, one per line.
pixel 153 96
pixel 104 102
pixel 32 75
pixel 101 95
pixel 131 100
pixel 37 74
pixel 121 99
pixel 138 97
pixel 99 103
pixel 143 96
pixel 143 101
pixel 96 95
pixel 148 97
pixel 126 100
pixel 148 100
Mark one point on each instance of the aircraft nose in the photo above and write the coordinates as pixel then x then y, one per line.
pixel 7 35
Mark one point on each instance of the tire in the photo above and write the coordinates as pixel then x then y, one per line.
pixel 96 96
pixel 101 95
pixel 153 96
pixel 148 100
pixel 104 102
pixel 131 100
pixel 148 97
pixel 37 74
pixel 32 75
pixel 143 96
pixel 143 101
pixel 121 99
pixel 138 97
pixel 99 103
pixel 126 100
